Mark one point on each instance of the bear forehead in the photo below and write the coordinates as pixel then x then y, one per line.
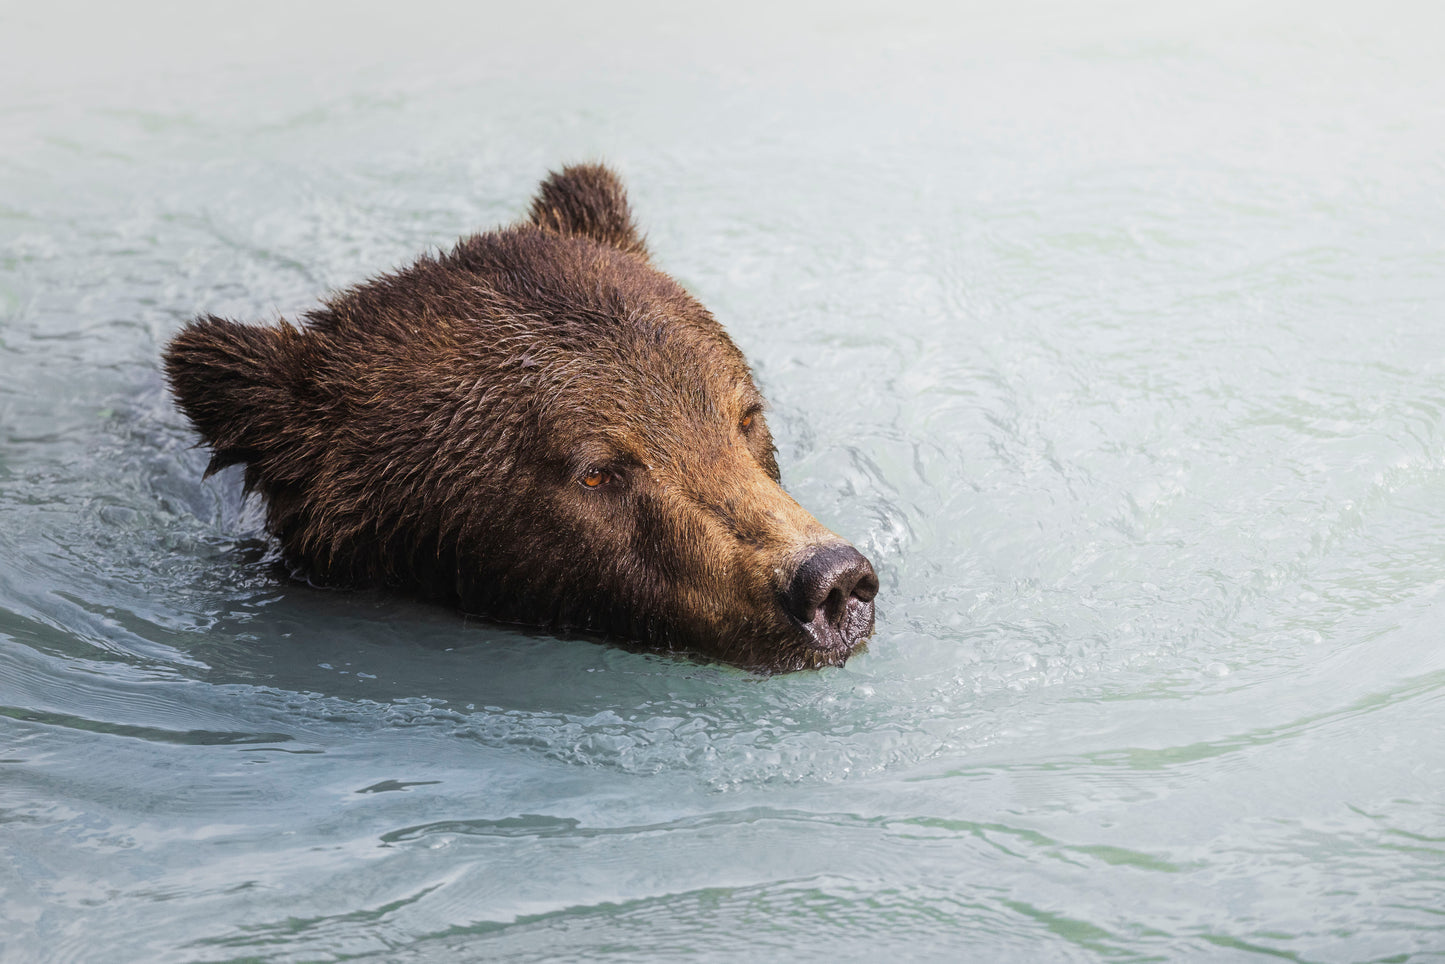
pixel 592 333
pixel 549 278
pixel 526 292
pixel 595 346
pixel 638 394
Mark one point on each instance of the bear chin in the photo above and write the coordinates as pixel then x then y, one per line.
pixel 537 426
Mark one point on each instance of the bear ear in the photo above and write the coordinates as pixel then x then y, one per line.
pixel 587 201
pixel 225 377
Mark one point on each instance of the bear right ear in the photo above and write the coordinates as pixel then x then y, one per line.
pixel 587 201
pixel 224 376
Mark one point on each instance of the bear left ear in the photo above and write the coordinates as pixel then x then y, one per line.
pixel 587 201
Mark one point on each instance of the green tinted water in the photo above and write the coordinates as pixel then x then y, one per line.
pixel 1112 334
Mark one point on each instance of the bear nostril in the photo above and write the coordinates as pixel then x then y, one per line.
pixel 831 594
pixel 867 585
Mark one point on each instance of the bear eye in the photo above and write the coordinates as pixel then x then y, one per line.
pixel 747 420
pixel 596 478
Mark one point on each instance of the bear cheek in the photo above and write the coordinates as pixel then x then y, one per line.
pixel 591 555
pixel 525 556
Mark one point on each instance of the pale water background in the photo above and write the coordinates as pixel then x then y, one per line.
pixel 1113 333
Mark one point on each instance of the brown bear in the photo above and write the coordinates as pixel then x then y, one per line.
pixel 540 427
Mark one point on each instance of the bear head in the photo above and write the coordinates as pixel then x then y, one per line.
pixel 540 427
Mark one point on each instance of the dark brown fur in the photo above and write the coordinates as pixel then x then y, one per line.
pixel 433 430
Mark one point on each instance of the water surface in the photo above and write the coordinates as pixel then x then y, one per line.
pixel 1111 333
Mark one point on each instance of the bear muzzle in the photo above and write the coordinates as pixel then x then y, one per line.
pixel 830 595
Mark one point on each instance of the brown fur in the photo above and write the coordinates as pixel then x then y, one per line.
pixel 431 430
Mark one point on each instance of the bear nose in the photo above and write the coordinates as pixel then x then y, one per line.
pixel 831 594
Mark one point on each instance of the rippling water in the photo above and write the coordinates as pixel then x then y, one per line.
pixel 1112 333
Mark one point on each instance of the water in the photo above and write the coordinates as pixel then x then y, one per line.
pixel 1113 335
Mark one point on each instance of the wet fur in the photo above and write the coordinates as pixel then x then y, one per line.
pixel 427 431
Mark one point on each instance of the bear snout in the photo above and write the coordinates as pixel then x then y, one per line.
pixel 830 593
